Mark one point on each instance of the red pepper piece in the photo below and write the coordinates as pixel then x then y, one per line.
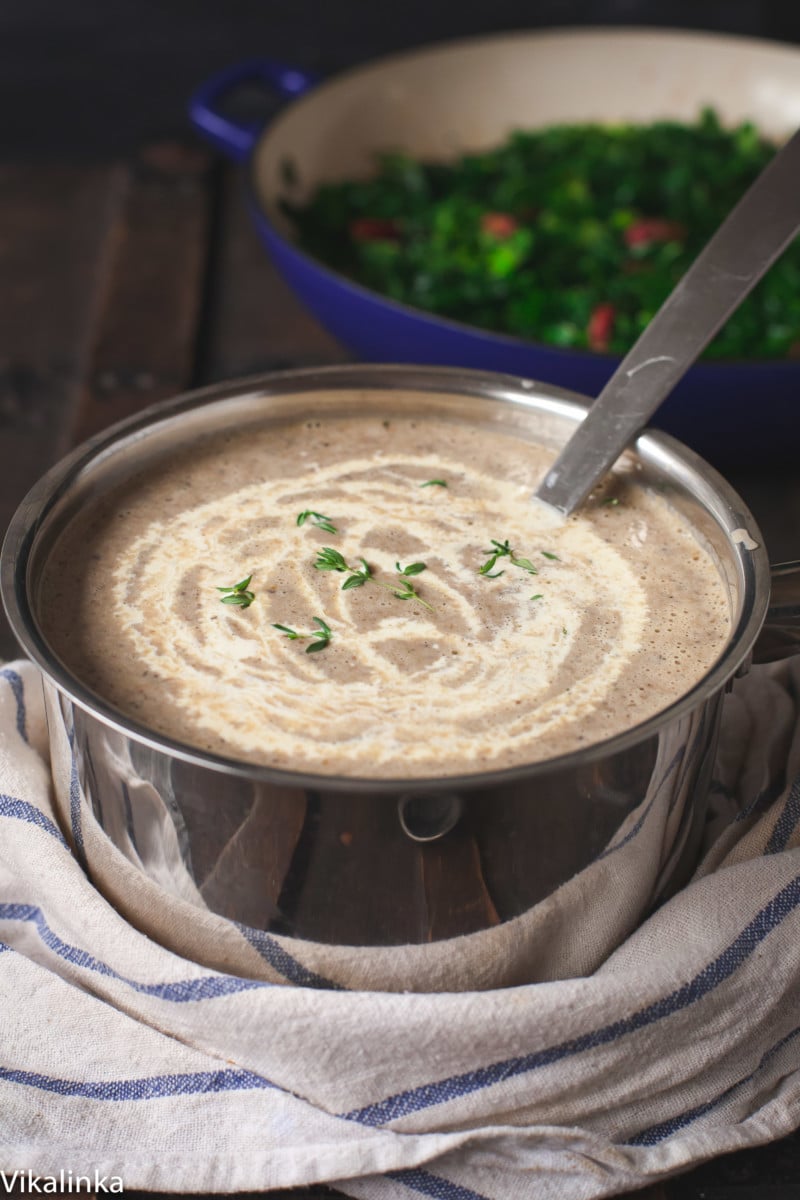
pixel 600 327
pixel 654 229
pixel 374 229
pixel 499 224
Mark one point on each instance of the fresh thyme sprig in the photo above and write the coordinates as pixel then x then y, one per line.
pixel 317 519
pixel 503 550
pixel 238 594
pixel 320 638
pixel 329 559
pixel 405 591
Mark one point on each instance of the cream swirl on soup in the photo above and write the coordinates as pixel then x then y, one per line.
pixel 577 630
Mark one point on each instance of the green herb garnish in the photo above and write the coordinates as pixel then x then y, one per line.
pixel 238 594
pixel 434 483
pixel 538 596
pixel 503 550
pixel 319 638
pixel 610 501
pixel 317 519
pixel 359 575
pixel 329 559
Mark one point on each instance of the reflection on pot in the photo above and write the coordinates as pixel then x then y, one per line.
pixel 336 868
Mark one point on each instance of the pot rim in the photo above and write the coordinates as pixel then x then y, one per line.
pixel 662 449
pixel 435 320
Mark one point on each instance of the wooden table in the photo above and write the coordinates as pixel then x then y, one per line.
pixel 126 282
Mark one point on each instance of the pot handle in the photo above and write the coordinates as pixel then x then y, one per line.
pixel 237 138
pixel 780 633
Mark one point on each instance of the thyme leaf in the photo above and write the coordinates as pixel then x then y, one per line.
pixel 406 593
pixel 329 559
pixel 290 633
pixel 317 519
pixel 318 638
pixel 503 550
pixel 237 593
pixel 434 483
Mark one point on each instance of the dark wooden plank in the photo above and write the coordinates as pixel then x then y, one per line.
pixel 54 226
pixel 757 1191
pixel 255 322
pixel 146 325
pixel 769 1172
pixel 54 230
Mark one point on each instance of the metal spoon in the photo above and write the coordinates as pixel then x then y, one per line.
pixel 753 235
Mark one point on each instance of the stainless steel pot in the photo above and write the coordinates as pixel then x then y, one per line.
pixel 358 861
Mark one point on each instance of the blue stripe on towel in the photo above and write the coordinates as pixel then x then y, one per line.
pixel 16 685
pixel 787 821
pixel 433 1185
pixel 209 987
pixel 761 801
pixel 274 953
pixel 658 1133
pixel 715 973
pixel 153 1087
pixel 21 810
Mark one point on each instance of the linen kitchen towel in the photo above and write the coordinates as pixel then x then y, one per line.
pixel 129 1054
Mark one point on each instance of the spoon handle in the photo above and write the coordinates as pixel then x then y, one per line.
pixel 753 235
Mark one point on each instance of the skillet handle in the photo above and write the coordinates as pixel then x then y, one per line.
pixel 780 633
pixel 237 138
